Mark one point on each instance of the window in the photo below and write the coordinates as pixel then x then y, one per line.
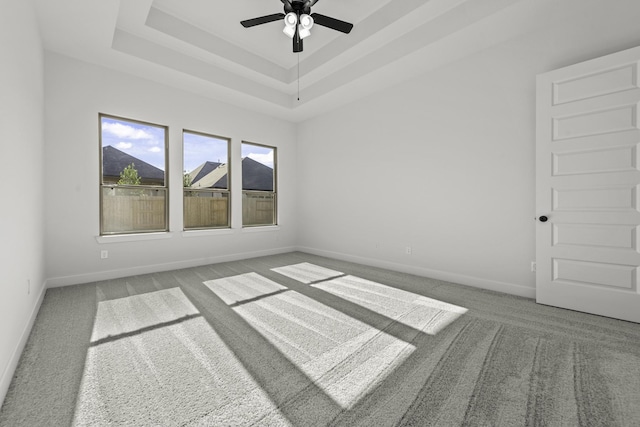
pixel 258 185
pixel 205 181
pixel 133 181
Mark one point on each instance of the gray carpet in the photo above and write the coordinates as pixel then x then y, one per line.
pixel 302 340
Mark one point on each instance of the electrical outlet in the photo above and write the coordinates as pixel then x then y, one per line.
pixel 28 286
pixel 104 254
pixel 407 250
pixel 533 266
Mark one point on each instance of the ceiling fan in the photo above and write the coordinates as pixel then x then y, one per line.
pixel 298 20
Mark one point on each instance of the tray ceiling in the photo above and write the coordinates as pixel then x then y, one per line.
pixel 200 46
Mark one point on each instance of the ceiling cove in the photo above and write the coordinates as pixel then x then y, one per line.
pixel 200 46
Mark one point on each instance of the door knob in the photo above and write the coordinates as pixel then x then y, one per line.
pixel 543 218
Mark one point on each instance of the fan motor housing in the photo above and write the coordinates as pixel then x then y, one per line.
pixel 299 7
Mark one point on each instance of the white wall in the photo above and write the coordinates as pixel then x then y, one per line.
pixel 75 93
pixel 445 163
pixel 21 178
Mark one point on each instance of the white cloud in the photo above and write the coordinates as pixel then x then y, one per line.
pixel 155 150
pixel 125 131
pixel 265 159
pixel 124 145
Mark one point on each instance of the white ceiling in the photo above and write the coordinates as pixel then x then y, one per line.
pixel 200 46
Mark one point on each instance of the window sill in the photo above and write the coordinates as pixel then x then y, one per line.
pixel 205 233
pixel 134 237
pixel 261 228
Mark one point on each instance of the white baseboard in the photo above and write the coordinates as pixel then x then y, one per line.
pixel 7 375
pixel 477 282
pixel 78 279
pixel 494 285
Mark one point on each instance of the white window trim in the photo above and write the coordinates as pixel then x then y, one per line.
pixel 207 232
pixel 134 237
pixel 260 228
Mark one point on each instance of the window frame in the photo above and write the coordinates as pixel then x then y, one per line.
pixel 275 187
pixel 102 185
pixel 208 190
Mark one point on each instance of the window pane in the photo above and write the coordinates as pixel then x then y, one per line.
pixel 257 167
pixel 205 181
pixel 127 210
pixel 205 209
pixel 134 193
pixel 258 208
pixel 205 161
pixel 258 185
pixel 132 153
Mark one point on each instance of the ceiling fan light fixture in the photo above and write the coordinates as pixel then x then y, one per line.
pixel 290 23
pixel 298 21
pixel 306 22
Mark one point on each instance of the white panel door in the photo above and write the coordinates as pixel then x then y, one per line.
pixel 587 187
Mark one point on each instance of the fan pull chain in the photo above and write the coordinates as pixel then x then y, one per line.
pixel 298 76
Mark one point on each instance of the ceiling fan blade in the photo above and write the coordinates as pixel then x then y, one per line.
pixel 288 7
pixel 262 20
pixel 333 23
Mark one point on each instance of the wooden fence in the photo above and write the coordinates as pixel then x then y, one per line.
pixel 125 214
pixel 202 212
pixel 141 213
pixel 258 208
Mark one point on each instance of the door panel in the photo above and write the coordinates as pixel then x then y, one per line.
pixel 603 236
pixel 599 83
pixel 612 159
pixel 594 273
pixel 588 184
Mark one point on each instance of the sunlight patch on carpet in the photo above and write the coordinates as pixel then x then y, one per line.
pixel 383 299
pixel 307 273
pixel 344 356
pixel 155 361
pixel 244 287
pixel 393 302
pixel 139 312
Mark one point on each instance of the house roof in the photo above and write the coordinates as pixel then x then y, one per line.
pixel 212 179
pixel 201 171
pixel 255 176
pixel 114 161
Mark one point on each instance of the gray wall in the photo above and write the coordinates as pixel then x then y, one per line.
pixel 76 92
pixel 21 180
pixel 444 163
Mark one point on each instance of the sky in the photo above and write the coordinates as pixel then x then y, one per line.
pixel 200 148
pixel 258 153
pixel 147 142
